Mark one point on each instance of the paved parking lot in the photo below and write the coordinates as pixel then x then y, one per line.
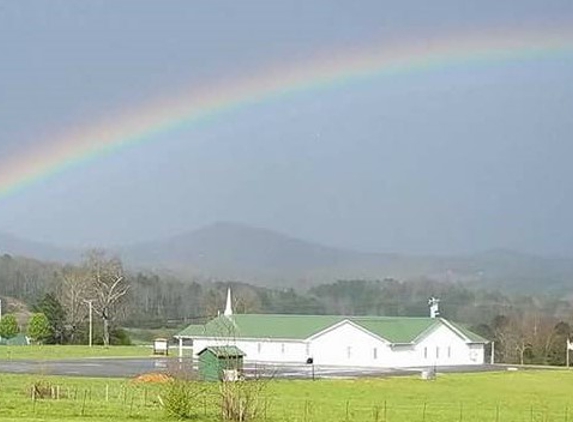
pixel 130 367
pixel 109 367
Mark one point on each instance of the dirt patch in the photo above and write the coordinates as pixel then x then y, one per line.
pixel 152 378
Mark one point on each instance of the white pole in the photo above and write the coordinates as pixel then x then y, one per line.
pixel 91 322
pixel 492 352
pixel 180 347
pixel 0 309
pixel 89 302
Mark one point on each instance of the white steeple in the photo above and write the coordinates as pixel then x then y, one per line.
pixel 228 305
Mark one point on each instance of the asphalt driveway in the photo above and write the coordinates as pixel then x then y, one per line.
pixel 131 367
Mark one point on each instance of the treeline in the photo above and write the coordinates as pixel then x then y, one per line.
pixel 528 329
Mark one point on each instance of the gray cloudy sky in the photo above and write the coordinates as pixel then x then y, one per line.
pixel 453 160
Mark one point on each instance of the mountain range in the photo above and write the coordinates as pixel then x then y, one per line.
pixel 231 251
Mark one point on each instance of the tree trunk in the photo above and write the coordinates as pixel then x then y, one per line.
pixel 105 329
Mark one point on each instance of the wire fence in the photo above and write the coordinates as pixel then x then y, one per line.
pixel 143 401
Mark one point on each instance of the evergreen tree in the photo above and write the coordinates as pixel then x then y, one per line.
pixel 53 310
pixel 39 328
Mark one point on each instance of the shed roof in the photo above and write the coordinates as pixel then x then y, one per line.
pixel 300 327
pixel 224 351
pixel 18 340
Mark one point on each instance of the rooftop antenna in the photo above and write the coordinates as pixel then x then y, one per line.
pixel 228 305
pixel 434 304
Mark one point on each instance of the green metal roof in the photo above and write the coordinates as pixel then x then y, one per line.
pixel 473 337
pixel 224 351
pixel 396 330
pixel 300 327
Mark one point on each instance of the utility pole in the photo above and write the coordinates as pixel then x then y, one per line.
pixel 0 309
pixel 89 302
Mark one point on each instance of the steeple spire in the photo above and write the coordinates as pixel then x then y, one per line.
pixel 228 305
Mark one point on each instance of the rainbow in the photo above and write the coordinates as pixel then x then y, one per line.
pixel 212 101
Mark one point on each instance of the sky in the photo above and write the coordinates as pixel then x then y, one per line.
pixel 459 158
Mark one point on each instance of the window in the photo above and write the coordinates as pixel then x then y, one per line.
pixel 375 353
pixel 437 352
pixel 259 347
pixel 425 353
pixel 348 352
pixel 283 348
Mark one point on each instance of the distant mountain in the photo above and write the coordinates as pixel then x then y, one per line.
pixel 15 246
pixel 238 252
pixel 231 251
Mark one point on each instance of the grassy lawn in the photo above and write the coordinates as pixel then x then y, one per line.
pixel 510 396
pixel 69 352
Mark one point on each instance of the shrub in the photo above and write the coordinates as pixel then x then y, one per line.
pixel 181 398
pixel 9 326
pixel 120 337
pixel 243 400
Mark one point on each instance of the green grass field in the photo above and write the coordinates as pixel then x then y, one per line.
pixel 510 396
pixel 69 352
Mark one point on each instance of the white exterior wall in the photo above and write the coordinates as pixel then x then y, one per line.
pixel 260 350
pixel 443 347
pixel 349 345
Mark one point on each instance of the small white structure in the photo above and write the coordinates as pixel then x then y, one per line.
pixel 161 346
pixel 353 341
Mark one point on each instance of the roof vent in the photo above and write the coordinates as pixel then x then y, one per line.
pixel 434 304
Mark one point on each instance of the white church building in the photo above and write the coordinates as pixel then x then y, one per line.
pixel 351 341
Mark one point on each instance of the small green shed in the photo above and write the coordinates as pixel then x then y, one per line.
pixel 18 340
pixel 214 360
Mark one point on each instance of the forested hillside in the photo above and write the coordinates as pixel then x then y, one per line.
pixel 528 328
pixel 231 251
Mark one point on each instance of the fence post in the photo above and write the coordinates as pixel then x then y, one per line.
pixel 424 412
pixel 461 412
pixel 385 410
pixel 265 408
pixel 131 405
pixel 84 403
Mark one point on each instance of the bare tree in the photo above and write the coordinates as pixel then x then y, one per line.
pixel 108 287
pixel 74 287
pixel 247 301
